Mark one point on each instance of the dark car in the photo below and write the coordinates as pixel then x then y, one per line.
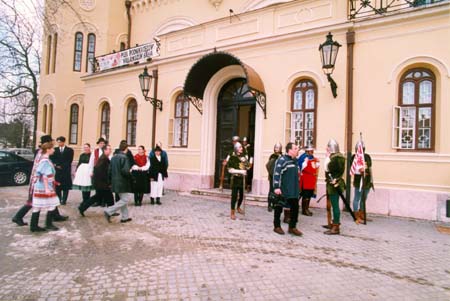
pixel 14 169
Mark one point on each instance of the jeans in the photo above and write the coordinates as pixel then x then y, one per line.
pixel 121 204
pixel 357 204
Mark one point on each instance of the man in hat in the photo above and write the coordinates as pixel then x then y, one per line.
pixel 62 159
pixel 18 217
pixel 334 170
pixel 309 166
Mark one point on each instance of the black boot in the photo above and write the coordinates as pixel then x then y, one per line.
pixel 141 197
pixel 18 218
pixel 57 217
pixel 34 223
pixel 152 201
pixel 136 199
pixel 158 202
pixel 49 221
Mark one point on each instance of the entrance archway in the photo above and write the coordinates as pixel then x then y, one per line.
pixel 236 108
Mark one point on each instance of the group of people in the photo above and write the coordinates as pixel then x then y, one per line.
pixel 102 170
pixel 285 171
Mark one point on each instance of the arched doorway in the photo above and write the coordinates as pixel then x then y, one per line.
pixel 236 109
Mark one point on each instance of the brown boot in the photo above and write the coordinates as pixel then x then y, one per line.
pixel 295 231
pixel 304 212
pixel 233 214
pixel 287 216
pixel 308 212
pixel 333 231
pixel 359 217
pixel 278 230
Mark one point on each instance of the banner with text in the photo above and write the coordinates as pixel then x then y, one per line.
pixel 130 56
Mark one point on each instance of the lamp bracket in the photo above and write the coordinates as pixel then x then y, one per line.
pixel 155 102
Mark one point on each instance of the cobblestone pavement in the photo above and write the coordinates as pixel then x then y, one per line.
pixel 189 249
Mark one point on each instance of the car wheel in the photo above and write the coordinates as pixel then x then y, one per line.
pixel 20 177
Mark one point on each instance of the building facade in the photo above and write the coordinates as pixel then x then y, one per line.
pixel 252 68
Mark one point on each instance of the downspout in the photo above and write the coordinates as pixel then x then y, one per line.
pixel 128 7
pixel 350 43
pixel 155 96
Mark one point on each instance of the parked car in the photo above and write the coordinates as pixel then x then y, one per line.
pixel 23 152
pixel 14 169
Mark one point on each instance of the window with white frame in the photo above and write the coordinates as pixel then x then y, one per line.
pixel 181 122
pixel 73 135
pixel 131 122
pixel 413 124
pixel 90 54
pixel 104 121
pixel 303 113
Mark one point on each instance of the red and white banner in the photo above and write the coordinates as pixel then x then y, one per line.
pixel 358 161
pixel 133 55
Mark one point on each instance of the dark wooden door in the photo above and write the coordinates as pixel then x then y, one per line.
pixel 234 94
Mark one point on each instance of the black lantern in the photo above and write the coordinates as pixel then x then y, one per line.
pixel 328 55
pixel 145 80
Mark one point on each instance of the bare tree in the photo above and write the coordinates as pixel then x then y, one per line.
pixel 22 24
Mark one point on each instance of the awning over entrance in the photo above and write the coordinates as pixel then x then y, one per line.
pixel 202 71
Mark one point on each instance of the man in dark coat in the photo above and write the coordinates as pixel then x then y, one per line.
pixel 62 159
pixel 120 174
pixel 285 184
pixel 101 182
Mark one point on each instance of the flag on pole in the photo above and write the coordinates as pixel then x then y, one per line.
pixel 358 161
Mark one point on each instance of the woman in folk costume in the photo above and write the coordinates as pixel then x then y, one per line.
pixel 44 195
pixel 308 179
pixel 141 183
pixel 157 172
pixel 82 179
pixel 270 166
pixel 238 165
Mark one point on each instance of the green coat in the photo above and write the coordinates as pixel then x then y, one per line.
pixel 119 172
pixel 336 169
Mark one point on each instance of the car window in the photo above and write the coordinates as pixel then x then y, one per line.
pixel 6 157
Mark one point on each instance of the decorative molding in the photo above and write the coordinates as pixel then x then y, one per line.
pixel 427 59
pixel 216 3
pixel 173 24
pixel 297 75
pixel 256 4
pixel 185 41
pixel 235 30
pixel 48 98
pixel 122 37
pixel 87 5
pixel 85 27
pixel 305 15
pixel 76 98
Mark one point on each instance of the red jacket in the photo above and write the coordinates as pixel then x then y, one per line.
pixel 308 179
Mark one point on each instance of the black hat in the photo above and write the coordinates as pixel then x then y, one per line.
pixel 46 138
pixel 101 139
pixel 157 149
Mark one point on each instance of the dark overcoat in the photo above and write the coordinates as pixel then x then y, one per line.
pixel 63 166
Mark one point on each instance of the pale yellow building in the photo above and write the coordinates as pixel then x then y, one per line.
pixel 252 68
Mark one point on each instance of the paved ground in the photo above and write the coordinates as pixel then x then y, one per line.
pixel 189 249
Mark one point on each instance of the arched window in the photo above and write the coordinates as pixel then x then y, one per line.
pixel 73 134
pixel 122 46
pixel 303 113
pixel 78 51
pixel 104 126
pixel 50 119
pixel 415 113
pixel 181 122
pixel 90 52
pixel 131 122
pixel 49 52
pixel 55 45
pixel 44 119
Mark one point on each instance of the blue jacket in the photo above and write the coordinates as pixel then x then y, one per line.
pixel 285 177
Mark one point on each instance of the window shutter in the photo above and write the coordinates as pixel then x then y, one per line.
pixel 170 132
pixel 287 126
pixel 396 131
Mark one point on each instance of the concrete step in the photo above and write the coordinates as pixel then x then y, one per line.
pixel 226 193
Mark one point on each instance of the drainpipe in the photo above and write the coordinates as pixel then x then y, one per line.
pixel 155 96
pixel 128 7
pixel 349 113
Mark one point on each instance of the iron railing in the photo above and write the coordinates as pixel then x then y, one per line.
pixel 365 8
